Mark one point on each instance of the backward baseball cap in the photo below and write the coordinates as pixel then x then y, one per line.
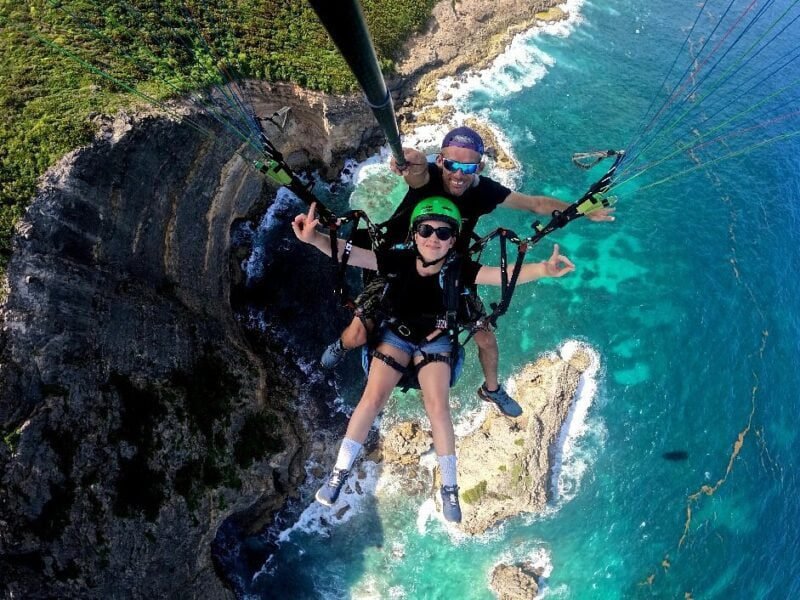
pixel 464 137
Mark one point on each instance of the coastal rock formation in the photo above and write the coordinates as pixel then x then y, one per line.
pixel 505 466
pixel 460 36
pixel 320 130
pixel 512 582
pixel 135 417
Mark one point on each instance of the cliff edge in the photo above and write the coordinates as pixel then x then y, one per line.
pixel 135 417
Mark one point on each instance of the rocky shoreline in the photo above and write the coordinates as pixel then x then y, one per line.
pixel 462 36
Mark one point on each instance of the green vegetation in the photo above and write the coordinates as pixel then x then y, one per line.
pixel 516 474
pixel 472 495
pixel 161 49
pixel 11 439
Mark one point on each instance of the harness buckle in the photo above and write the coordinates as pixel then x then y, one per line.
pixel 403 330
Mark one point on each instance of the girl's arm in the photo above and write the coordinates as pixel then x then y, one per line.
pixel 304 227
pixel 556 266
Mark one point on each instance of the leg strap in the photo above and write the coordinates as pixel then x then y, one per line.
pixel 388 360
pixel 430 358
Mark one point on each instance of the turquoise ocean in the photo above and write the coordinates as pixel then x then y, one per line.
pixel 680 479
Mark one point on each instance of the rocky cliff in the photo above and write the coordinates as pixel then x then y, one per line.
pixel 135 417
pixel 320 130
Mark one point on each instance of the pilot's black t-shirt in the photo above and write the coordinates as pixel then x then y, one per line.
pixel 478 200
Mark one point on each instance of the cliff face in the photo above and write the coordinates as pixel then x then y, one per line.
pixel 321 130
pixel 135 418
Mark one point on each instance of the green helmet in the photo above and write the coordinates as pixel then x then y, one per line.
pixel 438 208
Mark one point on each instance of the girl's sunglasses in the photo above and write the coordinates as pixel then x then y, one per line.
pixel 466 168
pixel 443 233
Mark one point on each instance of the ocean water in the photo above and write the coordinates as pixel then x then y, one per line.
pixel 678 477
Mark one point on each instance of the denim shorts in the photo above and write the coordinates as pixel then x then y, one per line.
pixel 441 345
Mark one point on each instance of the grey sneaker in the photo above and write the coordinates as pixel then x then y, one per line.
pixel 329 492
pixel 507 405
pixel 451 509
pixel 333 355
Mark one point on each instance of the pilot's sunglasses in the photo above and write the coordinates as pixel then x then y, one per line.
pixel 443 233
pixel 466 168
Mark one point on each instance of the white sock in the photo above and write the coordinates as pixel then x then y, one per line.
pixel 348 452
pixel 447 467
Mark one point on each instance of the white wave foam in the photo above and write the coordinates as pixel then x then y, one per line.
pixel 426 512
pixel 348 171
pixel 541 560
pixel 318 519
pixel 537 557
pixel 369 588
pixel 520 66
pixel 471 421
pixel 254 319
pixel 397 591
pixel 363 169
pixel 571 457
pixel 561 591
pixel 253 265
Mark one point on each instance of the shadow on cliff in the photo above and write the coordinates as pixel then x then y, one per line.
pixel 287 306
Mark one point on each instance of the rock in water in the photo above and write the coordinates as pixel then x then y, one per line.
pixel 504 467
pixel 511 582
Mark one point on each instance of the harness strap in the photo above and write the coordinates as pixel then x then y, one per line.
pixel 340 286
pixel 431 358
pixel 388 360
pixel 412 368
pixel 508 286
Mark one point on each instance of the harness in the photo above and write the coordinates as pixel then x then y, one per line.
pixel 446 323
